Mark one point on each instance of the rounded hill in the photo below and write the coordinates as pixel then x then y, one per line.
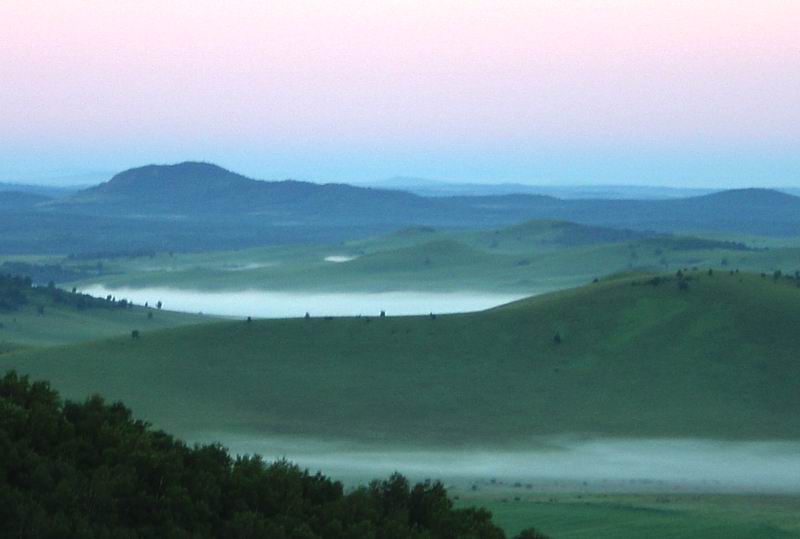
pixel 712 356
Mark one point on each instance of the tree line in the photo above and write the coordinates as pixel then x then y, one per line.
pixel 91 470
pixel 16 291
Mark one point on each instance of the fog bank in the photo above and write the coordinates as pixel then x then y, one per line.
pixel 269 304
pixel 636 465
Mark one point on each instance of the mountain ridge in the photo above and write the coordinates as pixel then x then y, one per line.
pixel 204 205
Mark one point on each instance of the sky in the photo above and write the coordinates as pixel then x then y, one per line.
pixel 682 93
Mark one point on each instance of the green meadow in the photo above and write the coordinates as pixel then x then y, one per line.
pixel 533 257
pixel 634 355
pixel 43 322
pixel 641 354
pixel 632 516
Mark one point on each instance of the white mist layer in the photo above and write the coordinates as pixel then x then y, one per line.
pixel 637 465
pixel 339 258
pixel 269 304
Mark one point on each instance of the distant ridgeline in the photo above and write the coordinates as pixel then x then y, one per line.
pixel 17 291
pixel 201 206
pixel 90 470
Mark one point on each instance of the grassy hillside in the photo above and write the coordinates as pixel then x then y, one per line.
pixel 529 258
pixel 637 357
pixel 42 316
pixel 619 516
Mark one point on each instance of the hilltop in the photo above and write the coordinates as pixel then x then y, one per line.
pixel 193 187
pixel 632 356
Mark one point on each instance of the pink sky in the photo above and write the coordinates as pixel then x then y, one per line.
pixel 364 89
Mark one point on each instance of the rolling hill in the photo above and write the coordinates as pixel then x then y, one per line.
pixel 528 258
pixel 632 356
pixel 40 316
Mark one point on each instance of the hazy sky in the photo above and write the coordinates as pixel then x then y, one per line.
pixel 691 93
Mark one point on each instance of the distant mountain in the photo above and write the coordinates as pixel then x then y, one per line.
pixel 750 198
pixel 753 211
pixel 196 206
pixel 434 188
pixel 153 181
pixel 193 188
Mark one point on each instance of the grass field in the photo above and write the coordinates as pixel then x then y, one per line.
pixel 638 357
pixel 635 359
pixel 530 258
pixel 58 324
pixel 632 516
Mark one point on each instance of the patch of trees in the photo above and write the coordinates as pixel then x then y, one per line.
pixel 573 234
pixel 90 470
pixel 82 301
pixel 686 243
pixel 17 291
pixel 110 255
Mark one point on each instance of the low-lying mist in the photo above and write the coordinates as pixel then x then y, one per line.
pixel 270 304
pixel 635 465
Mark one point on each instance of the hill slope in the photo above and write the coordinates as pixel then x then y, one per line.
pixel 533 257
pixel 39 316
pixel 717 361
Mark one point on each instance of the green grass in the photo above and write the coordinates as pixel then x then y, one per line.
pixel 623 516
pixel 531 257
pixel 716 361
pixel 60 324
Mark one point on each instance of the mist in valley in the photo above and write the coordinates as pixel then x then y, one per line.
pixel 561 463
pixel 271 304
pixel 547 463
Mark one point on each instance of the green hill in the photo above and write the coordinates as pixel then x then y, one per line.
pixel 638 356
pixel 533 257
pixel 40 316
